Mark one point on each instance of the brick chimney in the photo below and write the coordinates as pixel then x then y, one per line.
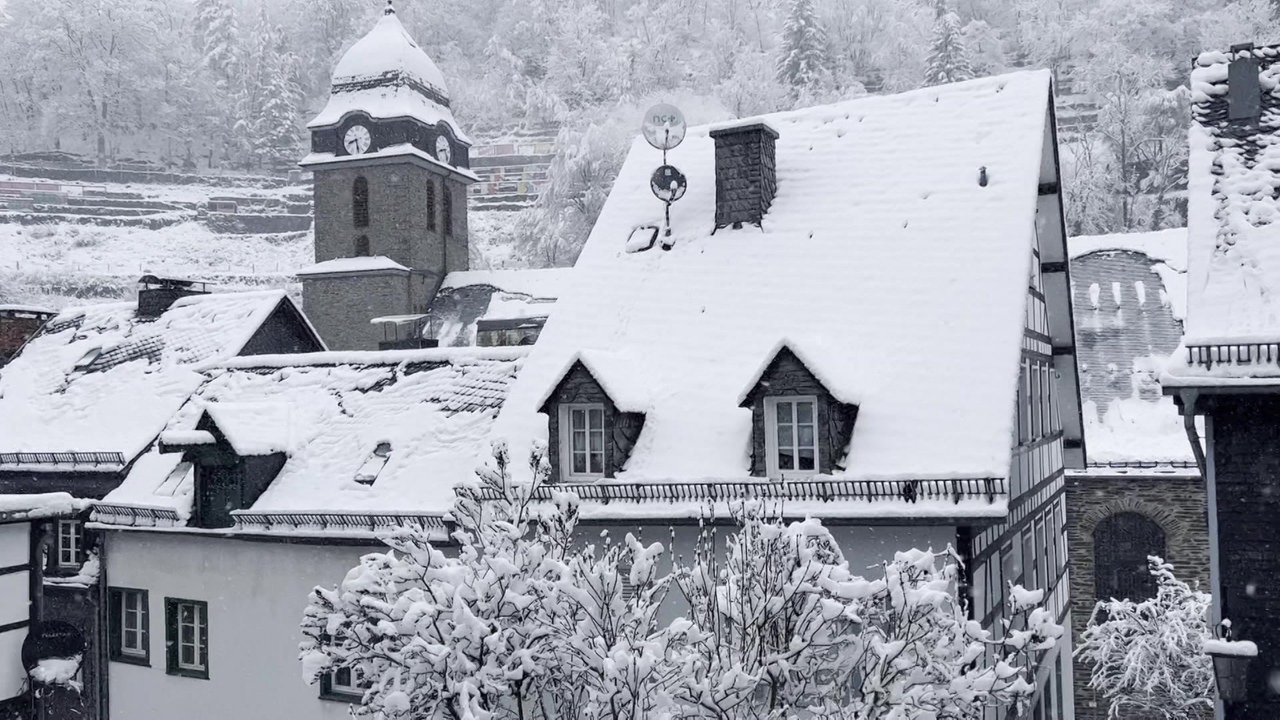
pixel 1244 94
pixel 746 174
pixel 155 294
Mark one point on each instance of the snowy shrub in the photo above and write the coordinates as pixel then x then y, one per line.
pixel 440 636
pixel 790 632
pixel 1148 657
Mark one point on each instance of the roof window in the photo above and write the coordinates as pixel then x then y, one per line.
pixel 377 460
pixel 84 362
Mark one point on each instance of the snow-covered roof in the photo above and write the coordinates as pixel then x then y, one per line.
pixel 399 150
pixel 468 297
pixel 352 265
pixel 34 309
pixel 385 74
pixel 882 241
pixel 1233 285
pixel 36 506
pixel 99 378
pixel 329 413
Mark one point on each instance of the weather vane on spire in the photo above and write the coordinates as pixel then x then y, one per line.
pixel 390 10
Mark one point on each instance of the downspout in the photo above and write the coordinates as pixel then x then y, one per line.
pixel 1189 398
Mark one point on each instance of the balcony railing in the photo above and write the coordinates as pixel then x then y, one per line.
pixel 62 458
pixel 1234 354
pixel 334 522
pixel 986 489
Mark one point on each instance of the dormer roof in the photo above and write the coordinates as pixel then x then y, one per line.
pixel 883 240
pixel 385 75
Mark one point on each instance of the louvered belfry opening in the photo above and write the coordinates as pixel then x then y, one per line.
pixel 746 173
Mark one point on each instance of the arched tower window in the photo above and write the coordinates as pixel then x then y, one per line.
pixel 448 210
pixel 1121 544
pixel 431 204
pixel 360 202
pixel 362 246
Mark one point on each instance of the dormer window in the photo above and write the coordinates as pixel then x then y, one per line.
pixel 70 544
pixel 583 440
pixel 800 425
pixel 791 435
pixel 592 431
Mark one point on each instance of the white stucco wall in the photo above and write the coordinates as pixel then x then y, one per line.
pixel 256 592
pixel 15 599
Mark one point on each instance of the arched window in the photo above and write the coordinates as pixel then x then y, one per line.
pixel 1121 544
pixel 431 204
pixel 360 202
pixel 362 246
pixel 448 211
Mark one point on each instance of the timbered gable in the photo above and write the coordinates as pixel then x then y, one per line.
pixel 580 390
pixel 786 376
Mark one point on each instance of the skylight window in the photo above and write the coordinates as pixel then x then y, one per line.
pixel 369 471
pixel 84 362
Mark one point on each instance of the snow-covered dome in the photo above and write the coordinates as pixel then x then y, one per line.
pixel 388 48
pixel 387 75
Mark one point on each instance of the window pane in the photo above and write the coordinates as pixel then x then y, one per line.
pixel 597 442
pixel 806 459
pixel 784 412
pixel 597 418
pixel 786 459
pixel 580 463
pixel 785 441
pixel 804 412
pixel 578 419
pixel 342 677
pixel 597 463
pixel 806 436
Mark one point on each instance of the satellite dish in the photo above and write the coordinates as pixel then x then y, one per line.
pixel 663 126
pixel 668 184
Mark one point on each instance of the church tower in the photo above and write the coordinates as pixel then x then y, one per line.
pixel 391 172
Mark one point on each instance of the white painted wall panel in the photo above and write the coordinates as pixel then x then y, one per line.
pixel 15 546
pixel 11 672
pixel 15 597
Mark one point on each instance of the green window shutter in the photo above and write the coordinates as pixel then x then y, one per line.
pixel 145 599
pixel 203 633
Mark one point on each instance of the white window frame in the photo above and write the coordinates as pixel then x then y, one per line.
pixel 70 541
pixel 357 685
pixel 566 442
pixel 139 612
pixel 198 620
pixel 771 435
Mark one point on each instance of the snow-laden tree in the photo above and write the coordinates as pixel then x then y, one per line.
pixel 216 37
pixel 790 631
pixel 948 58
pixel 279 120
pixel 440 635
pixel 1148 657
pixel 804 59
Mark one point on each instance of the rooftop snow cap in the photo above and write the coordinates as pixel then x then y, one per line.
pixel 746 172
pixel 155 295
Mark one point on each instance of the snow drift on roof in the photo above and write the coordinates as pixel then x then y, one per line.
pixel 542 283
pixel 352 265
pixel 1166 246
pixel 466 297
pixel 434 408
pixel 388 47
pixel 881 240
pixel 100 379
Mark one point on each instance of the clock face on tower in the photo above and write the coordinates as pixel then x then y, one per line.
pixel 443 153
pixel 357 140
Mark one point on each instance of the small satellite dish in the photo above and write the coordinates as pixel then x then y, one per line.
pixel 663 126
pixel 668 184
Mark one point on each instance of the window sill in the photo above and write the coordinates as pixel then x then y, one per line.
pixel 338 696
pixel 183 672
pixel 131 660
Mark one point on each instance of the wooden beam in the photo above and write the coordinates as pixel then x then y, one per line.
pixel 1049 268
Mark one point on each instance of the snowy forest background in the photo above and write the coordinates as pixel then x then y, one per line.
pixel 227 85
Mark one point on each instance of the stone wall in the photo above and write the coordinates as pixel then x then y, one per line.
pixel 1176 503
pixel 340 306
pixel 14 331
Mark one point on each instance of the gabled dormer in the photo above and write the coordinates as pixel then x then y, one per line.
pixel 593 426
pixel 232 462
pixel 800 425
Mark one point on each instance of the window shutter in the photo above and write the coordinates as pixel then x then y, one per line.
pixel 202 635
pixel 170 634
pixel 144 621
pixel 115 626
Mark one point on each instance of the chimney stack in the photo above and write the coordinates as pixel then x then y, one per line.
pixel 155 294
pixel 746 174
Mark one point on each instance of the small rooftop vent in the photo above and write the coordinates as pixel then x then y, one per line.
pixel 156 294
pixel 1244 93
pixel 746 174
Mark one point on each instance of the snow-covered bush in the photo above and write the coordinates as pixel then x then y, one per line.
pixel 441 636
pixel 1148 657
pixel 790 632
